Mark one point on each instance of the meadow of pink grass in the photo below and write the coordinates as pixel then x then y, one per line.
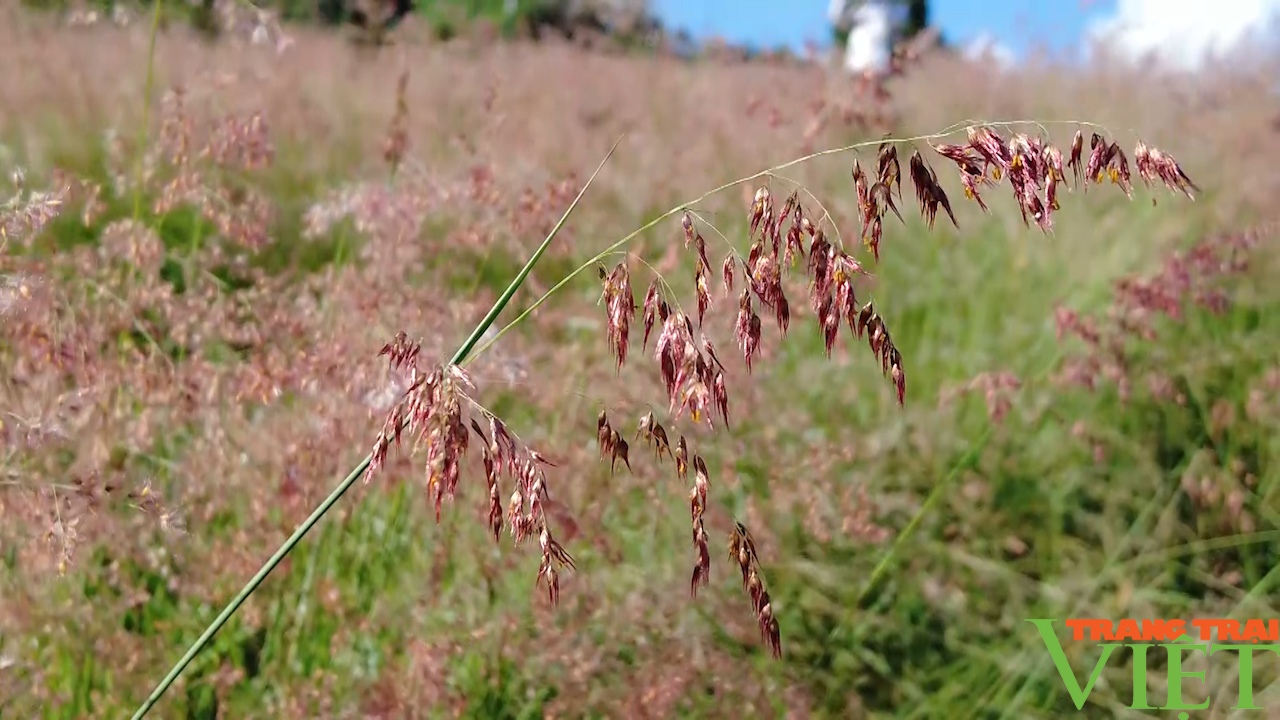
pixel 181 390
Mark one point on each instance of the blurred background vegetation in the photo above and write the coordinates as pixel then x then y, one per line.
pixel 624 19
pixel 235 377
pixel 630 23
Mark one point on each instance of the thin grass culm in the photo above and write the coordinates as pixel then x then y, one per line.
pixel 145 125
pixel 791 254
pixel 363 467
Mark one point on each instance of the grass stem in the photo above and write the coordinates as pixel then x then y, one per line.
pixel 358 471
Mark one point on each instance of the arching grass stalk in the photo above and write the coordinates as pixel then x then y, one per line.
pixel 1029 164
pixel 944 133
pixel 359 469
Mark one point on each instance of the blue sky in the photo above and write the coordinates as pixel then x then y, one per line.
pixel 1020 25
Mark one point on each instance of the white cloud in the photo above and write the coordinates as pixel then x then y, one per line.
pixel 986 47
pixel 1185 33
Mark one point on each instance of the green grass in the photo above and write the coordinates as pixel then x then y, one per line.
pixel 941 634
pixel 957 306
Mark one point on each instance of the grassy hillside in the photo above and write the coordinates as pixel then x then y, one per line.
pixel 191 364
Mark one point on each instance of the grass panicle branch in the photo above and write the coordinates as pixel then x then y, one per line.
pixel 995 167
pixel 693 376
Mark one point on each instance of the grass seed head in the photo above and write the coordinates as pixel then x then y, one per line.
pixel 660 442
pixel 888 170
pixel 726 273
pixel 702 567
pixel 644 428
pixel 604 436
pixel 702 479
pixel 554 558
pixel 654 435
pixel 682 459
pixel 928 192
pixel 618 450
pixel 703 290
pixel 747 328
pixel 1075 159
pixel 742 550
pixel 620 308
pixel 720 396
pixel 652 304
pixel 1155 164
pixel 697 507
pixel 991 148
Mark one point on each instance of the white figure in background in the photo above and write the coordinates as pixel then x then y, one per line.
pixel 872 27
